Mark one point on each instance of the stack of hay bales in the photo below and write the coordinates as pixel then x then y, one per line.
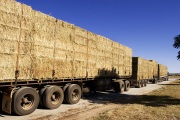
pixel 155 68
pixel 38 45
pixel 9 36
pixel 142 69
pixel 163 71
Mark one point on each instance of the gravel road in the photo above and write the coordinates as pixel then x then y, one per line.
pixel 94 103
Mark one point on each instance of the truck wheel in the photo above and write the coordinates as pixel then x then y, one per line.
pixel 53 97
pixel 41 93
pixel 73 94
pixel 116 87
pixel 127 85
pixel 64 90
pixel 142 83
pixel 145 83
pixel 155 81
pixel 25 101
pixel 122 86
pixel 138 85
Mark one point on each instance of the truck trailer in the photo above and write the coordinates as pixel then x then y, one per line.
pixel 45 61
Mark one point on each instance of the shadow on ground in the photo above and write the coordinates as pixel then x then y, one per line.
pixel 147 100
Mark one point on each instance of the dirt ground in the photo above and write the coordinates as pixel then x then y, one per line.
pixel 89 106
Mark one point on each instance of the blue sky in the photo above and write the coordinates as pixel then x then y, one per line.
pixel 146 26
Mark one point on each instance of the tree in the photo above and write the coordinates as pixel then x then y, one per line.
pixel 177 44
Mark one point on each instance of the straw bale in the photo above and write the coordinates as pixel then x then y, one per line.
pixel 92 44
pixel 80 40
pixel 26 48
pixel 42 67
pixel 7 5
pixel 59 66
pixel 91 58
pixel 60 54
pixel 162 70
pixel 142 69
pixel 108 54
pixel 27 11
pixel 101 43
pixel 9 19
pixel 60 44
pixel 108 63
pixel 47 43
pixel 40 21
pixel 27 18
pixel 80 48
pixel 92 71
pixel 92 51
pixel 7 66
pixel 43 39
pixel 70 55
pixel 79 70
pixel 69 46
pixel 9 33
pixel 25 67
pixel 69 69
pixel 155 68
pixel 41 51
pixel 26 36
pixel 8 47
pixel 79 56
pixel 92 36
pixel 80 32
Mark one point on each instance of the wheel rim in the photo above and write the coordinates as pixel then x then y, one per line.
pixel 27 101
pixel 55 97
pixel 75 94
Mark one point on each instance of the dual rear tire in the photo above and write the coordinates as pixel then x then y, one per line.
pixel 121 86
pixel 26 99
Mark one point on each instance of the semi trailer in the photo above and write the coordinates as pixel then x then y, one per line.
pixel 45 61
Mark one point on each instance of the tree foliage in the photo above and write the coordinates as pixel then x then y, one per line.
pixel 177 44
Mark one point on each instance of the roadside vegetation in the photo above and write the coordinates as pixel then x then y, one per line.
pixel 177 76
pixel 161 104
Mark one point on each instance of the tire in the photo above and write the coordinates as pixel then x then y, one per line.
pixel 41 94
pixel 155 81
pixel 145 83
pixel 142 83
pixel 138 84
pixel 127 85
pixel 64 90
pixel 25 101
pixel 73 94
pixel 122 86
pixel 116 87
pixel 53 97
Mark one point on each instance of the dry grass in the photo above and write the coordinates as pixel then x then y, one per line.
pixel 161 104
pixel 174 76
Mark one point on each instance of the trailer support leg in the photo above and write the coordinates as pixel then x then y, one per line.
pixel 7 100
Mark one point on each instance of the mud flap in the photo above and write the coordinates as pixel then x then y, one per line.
pixel 7 99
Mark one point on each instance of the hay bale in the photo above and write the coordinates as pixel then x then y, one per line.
pixel 142 69
pixel 162 70
pixel 6 5
pixel 9 19
pixel 47 43
pixel 8 47
pixel 155 68
pixel 7 66
pixel 42 67
pixel 9 33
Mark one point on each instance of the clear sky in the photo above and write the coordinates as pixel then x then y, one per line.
pixel 146 26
